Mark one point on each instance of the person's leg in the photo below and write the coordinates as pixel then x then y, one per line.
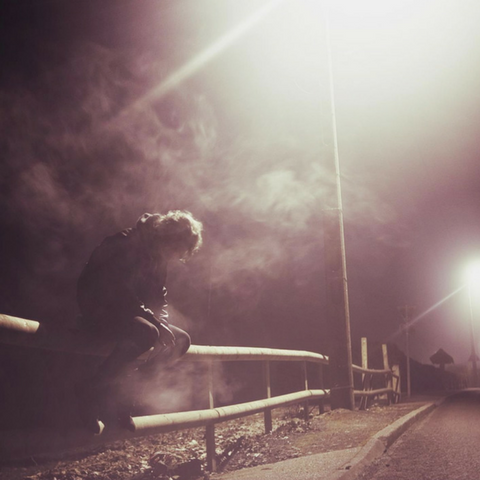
pixel 182 340
pixel 150 374
pixel 134 337
pixel 125 393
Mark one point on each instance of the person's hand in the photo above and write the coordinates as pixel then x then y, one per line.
pixel 166 337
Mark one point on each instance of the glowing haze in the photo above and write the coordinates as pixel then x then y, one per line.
pixel 216 107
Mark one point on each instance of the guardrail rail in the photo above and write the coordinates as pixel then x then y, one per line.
pixel 31 334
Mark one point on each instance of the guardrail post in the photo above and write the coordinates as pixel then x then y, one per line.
pixel 305 383
pixel 396 383
pixel 267 414
pixel 364 356
pixel 321 405
pixel 210 428
pixel 388 378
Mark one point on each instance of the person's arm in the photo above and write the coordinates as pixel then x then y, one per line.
pixel 108 276
pixel 162 305
pixel 160 319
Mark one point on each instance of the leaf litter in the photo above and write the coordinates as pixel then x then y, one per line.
pixel 240 443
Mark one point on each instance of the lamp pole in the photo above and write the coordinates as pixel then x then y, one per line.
pixel 407 312
pixel 473 356
pixel 338 315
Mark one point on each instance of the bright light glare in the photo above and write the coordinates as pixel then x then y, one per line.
pixel 392 54
pixel 473 274
pixel 204 57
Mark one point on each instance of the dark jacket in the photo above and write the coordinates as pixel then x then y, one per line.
pixel 121 280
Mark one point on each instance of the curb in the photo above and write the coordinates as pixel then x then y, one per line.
pixel 381 441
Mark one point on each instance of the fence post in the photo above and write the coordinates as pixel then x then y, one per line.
pixel 210 428
pixel 388 378
pixel 366 385
pixel 321 405
pixel 267 414
pixel 396 382
pixel 364 356
pixel 386 366
pixel 305 382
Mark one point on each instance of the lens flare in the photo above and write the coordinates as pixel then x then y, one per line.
pixel 426 312
pixel 199 61
pixel 436 305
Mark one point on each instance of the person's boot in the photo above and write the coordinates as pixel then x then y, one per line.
pixel 124 396
pixel 89 407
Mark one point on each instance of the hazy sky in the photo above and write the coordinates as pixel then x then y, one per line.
pixel 94 134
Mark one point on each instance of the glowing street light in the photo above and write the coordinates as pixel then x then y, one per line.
pixel 473 274
pixel 473 279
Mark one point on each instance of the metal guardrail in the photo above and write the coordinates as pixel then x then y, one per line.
pixel 31 334
pixel 252 354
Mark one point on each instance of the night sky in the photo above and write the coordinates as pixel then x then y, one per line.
pixel 93 135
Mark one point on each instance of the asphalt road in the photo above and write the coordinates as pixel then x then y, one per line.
pixel 445 445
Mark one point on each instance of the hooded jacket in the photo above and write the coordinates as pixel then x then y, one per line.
pixel 122 279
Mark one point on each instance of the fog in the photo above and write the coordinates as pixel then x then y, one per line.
pixel 240 146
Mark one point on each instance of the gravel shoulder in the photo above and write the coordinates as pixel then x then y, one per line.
pixel 240 444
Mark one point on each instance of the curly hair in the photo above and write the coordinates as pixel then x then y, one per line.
pixel 176 227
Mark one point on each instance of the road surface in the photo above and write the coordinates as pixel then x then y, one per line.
pixel 445 445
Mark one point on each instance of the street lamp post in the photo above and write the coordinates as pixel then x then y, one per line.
pixel 407 312
pixel 340 354
pixel 473 282
pixel 473 356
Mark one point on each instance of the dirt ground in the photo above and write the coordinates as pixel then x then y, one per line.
pixel 239 444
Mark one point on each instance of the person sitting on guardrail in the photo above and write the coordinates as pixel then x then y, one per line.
pixel 122 296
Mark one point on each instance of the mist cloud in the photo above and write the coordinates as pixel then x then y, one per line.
pixel 80 165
